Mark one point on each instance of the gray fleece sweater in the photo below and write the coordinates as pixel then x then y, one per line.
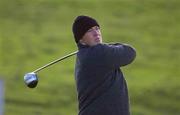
pixel 101 87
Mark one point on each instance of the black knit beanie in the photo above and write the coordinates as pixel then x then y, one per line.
pixel 81 25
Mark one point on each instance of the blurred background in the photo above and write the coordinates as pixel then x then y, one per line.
pixel 35 32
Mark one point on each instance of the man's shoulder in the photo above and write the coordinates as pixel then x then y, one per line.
pixel 92 53
pixel 94 48
pixel 98 47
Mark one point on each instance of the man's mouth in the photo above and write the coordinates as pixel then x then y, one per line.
pixel 97 39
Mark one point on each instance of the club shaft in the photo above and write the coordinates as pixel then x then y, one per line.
pixel 55 61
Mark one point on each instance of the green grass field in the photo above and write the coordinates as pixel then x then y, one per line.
pixel 35 32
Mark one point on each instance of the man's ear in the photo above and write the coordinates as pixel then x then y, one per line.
pixel 82 42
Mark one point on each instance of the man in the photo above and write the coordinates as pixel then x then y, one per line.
pixel 101 87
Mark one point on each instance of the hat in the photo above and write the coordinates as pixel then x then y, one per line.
pixel 81 25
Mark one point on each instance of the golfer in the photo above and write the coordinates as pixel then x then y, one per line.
pixel 101 87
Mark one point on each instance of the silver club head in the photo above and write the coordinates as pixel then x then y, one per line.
pixel 31 79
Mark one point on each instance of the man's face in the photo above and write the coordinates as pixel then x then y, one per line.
pixel 92 37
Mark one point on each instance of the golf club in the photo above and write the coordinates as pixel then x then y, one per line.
pixel 31 79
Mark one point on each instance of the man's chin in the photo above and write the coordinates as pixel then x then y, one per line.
pixel 95 43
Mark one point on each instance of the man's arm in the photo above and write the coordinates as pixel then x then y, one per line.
pixel 117 55
pixel 111 55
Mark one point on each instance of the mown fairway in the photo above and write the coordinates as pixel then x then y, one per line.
pixel 35 32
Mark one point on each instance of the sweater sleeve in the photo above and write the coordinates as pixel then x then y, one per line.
pixel 110 55
pixel 114 55
pixel 118 55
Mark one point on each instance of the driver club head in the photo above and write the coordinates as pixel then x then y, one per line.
pixel 31 79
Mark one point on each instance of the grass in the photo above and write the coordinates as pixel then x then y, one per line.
pixel 33 33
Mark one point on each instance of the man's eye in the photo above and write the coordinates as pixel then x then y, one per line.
pixel 97 28
pixel 90 30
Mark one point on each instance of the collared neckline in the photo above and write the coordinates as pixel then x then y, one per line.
pixel 80 46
